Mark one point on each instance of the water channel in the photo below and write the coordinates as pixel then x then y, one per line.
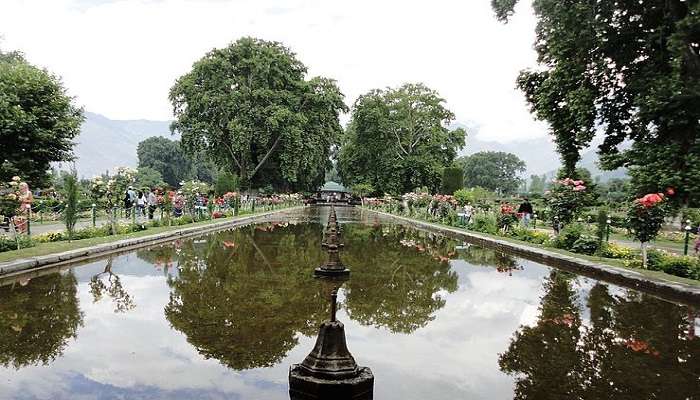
pixel 223 316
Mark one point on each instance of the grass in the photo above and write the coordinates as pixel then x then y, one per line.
pixel 42 249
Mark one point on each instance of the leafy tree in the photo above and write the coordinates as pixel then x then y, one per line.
pixel 492 170
pixel 38 120
pixel 397 140
pixel 452 180
pixel 361 190
pixel 537 183
pixel 226 182
pixel 249 108
pixel 166 157
pixel 149 177
pixel 631 68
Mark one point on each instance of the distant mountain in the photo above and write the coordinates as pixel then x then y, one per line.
pixel 104 144
pixel 539 154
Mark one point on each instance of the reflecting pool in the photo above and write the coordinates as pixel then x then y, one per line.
pixel 223 316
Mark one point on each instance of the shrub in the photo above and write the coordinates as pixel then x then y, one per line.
pixel 683 266
pixel 568 236
pixel 485 222
pixel 530 235
pixel 507 220
pixel 8 244
pixel 585 244
pixel 614 250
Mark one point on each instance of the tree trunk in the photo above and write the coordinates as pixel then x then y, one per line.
pixel 644 254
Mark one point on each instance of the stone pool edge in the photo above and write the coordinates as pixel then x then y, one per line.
pixel 28 264
pixel 675 291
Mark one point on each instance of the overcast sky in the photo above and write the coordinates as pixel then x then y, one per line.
pixel 119 58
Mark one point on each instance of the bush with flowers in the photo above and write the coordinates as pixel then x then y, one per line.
pixel 566 198
pixel 645 218
pixel 9 198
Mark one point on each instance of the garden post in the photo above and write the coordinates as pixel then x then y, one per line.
pixel 252 206
pixel 687 238
pixel 29 232
pixel 93 215
pixel 607 229
pixel 534 221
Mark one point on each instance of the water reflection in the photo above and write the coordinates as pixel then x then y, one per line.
pixel 241 297
pixel 636 347
pixel 37 318
pixel 109 283
pixel 398 276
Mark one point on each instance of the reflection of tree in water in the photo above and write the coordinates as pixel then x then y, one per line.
pixel 636 347
pixel 37 320
pixel 242 296
pixel 106 282
pixel 477 255
pixel 397 275
pixel 161 256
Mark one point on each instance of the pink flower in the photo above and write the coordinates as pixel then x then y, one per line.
pixel 578 183
pixel 579 188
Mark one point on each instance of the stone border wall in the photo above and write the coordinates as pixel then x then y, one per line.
pixel 23 265
pixel 674 291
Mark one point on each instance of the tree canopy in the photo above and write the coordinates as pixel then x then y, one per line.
pixel 397 140
pixel 492 170
pixel 38 120
pixel 250 109
pixel 172 162
pixel 630 69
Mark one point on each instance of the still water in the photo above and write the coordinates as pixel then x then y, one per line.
pixel 225 315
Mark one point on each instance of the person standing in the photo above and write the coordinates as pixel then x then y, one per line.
pixel 127 204
pixel 526 210
pixel 152 203
pixel 141 203
pixel 468 211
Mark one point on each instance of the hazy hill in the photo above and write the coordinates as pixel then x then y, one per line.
pixel 539 154
pixel 104 143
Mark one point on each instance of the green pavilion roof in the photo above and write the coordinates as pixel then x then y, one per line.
pixel 332 187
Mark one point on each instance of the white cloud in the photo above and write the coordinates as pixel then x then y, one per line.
pixel 121 57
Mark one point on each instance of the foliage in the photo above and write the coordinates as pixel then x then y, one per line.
pixel 8 244
pixel 566 198
pixel 463 196
pixel 226 182
pixel 147 177
pixel 70 213
pixel 568 236
pixel 10 197
pixel 586 244
pixel 485 223
pixel 492 170
pixel 362 189
pixel 38 120
pixel 172 162
pixel 646 216
pixel 452 180
pixel 248 107
pixel 614 250
pixel 529 235
pixel 601 225
pixel 630 68
pixel 38 319
pixel 397 140
pixel 538 184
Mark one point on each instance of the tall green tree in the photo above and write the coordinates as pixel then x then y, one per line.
pixel 397 140
pixel 38 120
pixel 631 69
pixel 492 170
pixel 250 109
pixel 166 157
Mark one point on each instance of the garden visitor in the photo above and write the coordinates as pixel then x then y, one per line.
pixel 697 243
pixel 141 203
pixel 526 210
pixel 127 203
pixel 178 204
pixel 152 202
pixel 25 208
pixel 467 212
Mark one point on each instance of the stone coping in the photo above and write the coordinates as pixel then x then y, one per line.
pixel 667 290
pixel 23 265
